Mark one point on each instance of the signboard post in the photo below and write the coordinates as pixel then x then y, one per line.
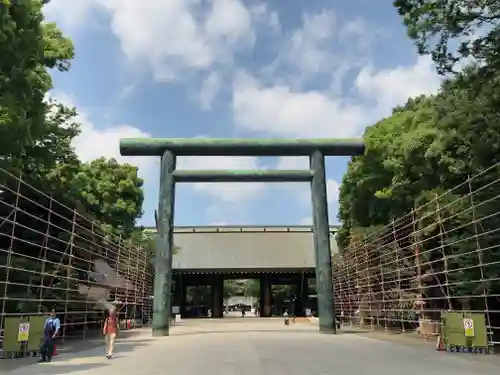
pixel 468 324
pixel 24 332
pixel 465 333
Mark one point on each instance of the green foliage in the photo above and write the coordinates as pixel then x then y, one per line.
pixel 52 158
pixel 111 192
pixel 428 146
pixel 28 47
pixel 381 184
pixel 454 30
pixel 233 288
pixel 36 133
pixel 241 288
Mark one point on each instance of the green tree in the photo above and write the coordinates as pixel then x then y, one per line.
pixel 454 30
pixel 246 288
pixel 234 288
pixel 28 48
pixel 383 183
pixel 52 159
pixel 35 142
pixel 36 132
pixel 428 146
pixel 252 288
pixel 111 192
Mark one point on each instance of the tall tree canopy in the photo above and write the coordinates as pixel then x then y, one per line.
pixel 36 135
pixel 431 143
pixel 427 147
pixel 28 47
pixel 36 131
pixel 454 30
pixel 111 192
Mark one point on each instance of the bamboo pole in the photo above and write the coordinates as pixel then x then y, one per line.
pixel 480 262
pixel 9 255
pixel 443 253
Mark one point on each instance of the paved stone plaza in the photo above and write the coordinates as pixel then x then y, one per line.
pixel 256 346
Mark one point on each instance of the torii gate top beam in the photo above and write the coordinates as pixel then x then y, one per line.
pixel 240 147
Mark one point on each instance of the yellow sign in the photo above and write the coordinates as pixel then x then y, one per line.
pixel 468 327
pixel 24 332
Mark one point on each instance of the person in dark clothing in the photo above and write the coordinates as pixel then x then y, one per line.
pixel 50 330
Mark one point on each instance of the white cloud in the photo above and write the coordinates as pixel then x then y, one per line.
pixel 172 37
pixel 323 46
pixel 302 190
pixel 332 194
pixel 293 162
pixel 281 111
pixel 209 89
pixel 69 14
pixel 224 192
pixel 332 191
pixel 94 142
pixel 309 47
pixel 390 87
pixel 169 37
pixel 283 106
pixel 266 18
pixel 228 22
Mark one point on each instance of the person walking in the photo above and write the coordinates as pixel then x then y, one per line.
pixel 50 330
pixel 110 330
pixel 287 317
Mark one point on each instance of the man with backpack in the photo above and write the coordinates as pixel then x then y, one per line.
pixel 50 331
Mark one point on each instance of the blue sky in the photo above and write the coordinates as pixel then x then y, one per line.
pixel 234 68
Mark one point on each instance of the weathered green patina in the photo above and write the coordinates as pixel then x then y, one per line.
pixel 243 176
pixel 322 252
pixel 169 148
pixel 165 247
pixel 240 147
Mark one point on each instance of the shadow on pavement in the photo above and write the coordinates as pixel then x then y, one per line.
pixel 75 350
pixel 54 369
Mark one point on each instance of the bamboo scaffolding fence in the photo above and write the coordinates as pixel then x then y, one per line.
pixel 55 256
pixel 441 256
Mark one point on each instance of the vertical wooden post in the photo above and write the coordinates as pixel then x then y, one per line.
pixel 382 287
pixel 43 257
pixel 164 248
pixel 68 276
pixel 368 270
pixel 326 308
pixel 443 253
pixel 480 262
pixel 418 263
pixel 398 275
pixel 9 255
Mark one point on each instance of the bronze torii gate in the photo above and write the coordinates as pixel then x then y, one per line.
pixel 170 148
